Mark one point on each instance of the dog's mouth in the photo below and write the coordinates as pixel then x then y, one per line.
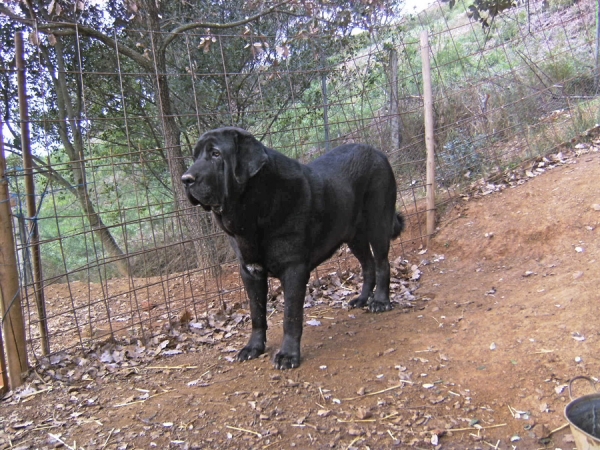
pixel 207 206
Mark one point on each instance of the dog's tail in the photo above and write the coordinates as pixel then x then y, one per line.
pixel 399 225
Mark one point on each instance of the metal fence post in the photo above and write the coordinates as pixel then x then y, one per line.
pixel 429 136
pixel 12 325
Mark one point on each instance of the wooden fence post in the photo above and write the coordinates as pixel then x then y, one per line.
pixel 34 239
pixel 395 129
pixel 429 136
pixel 12 324
pixel 597 71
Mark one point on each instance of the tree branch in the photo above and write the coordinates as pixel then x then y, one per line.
pixel 217 26
pixel 44 169
pixel 70 29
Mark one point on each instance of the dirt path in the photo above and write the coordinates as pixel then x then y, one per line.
pixel 503 321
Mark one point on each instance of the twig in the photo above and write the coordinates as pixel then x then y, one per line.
pixel 44 428
pixel 108 438
pixel 493 446
pixel 356 420
pixel 40 377
pixel 140 401
pixel 322 396
pixel 31 394
pixel 562 427
pixel 379 392
pixel 54 436
pixel 391 435
pixel 184 367
pixel 244 430
pixel 353 441
pixel 477 429
pixel 302 425
pixel 208 370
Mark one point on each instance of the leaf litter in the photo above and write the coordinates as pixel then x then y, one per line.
pixel 70 370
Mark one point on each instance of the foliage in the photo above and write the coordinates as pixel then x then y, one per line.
pixel 460 159
pixel 265 75
pixel 485 11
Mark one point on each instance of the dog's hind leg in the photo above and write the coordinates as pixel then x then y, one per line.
pixel 381 299
pixel 361 249
pixel 380 228
pixel 380 232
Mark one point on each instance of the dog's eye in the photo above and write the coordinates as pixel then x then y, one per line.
pixel 215 153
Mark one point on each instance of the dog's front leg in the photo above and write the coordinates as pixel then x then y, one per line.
pixel 294 282
pixel 255 282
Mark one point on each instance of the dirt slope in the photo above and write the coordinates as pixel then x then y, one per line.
pixel 504 320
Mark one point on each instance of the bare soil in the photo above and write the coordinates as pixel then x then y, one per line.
pixel 506 315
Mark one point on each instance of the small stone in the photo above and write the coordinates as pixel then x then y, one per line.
pixel 363 413
pixel 353 431
pixel 596 206
pixel 577 275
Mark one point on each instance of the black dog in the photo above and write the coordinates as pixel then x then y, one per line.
pixel 285 218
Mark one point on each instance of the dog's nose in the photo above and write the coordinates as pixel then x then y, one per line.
pixel 187 178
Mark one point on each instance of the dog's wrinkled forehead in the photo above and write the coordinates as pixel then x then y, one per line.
pixel 222 139
pixel 212 140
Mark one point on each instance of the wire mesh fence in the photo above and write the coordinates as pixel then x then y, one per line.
pixel 123 255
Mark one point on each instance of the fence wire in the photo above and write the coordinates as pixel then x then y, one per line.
pixel 120 259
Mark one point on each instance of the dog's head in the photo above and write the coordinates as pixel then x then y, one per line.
pixel 224 159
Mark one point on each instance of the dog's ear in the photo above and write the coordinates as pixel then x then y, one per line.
pixel 249 157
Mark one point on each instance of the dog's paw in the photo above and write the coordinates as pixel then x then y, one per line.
pixel 283 360
pixel 379 306
pixel 249 352
pixel 358 302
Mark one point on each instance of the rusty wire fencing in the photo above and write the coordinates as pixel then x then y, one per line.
pixel 123 256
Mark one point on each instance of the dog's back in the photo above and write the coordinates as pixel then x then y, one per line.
pixel 354 194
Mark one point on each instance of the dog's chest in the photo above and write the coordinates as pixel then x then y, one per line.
pixel 230 226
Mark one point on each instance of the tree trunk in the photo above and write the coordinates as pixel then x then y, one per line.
pixel 198 224
pixel 70 118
